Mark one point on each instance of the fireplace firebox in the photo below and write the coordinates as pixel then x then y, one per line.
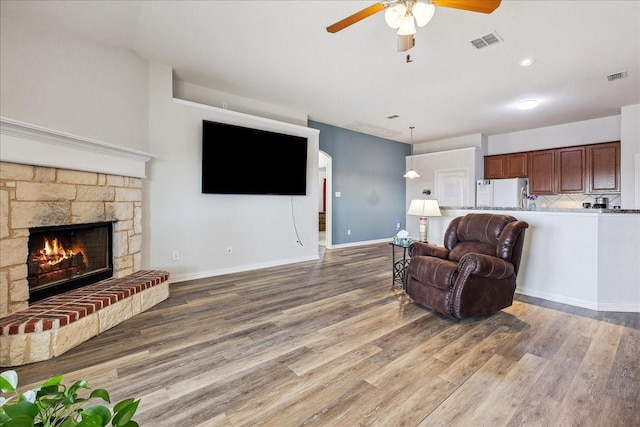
pixel 63 258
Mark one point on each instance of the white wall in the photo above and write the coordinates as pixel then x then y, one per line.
pixel 261 230
pixel 630 157
pixel 618 240
pixel 576 133
pixel 192 92
pixel 73 86
pixel 474 140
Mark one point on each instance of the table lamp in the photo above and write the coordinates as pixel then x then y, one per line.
pixel 424 209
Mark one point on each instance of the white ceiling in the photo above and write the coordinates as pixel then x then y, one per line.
pixel 279 52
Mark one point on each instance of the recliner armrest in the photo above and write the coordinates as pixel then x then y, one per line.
pixel 426 249
pixel 485 265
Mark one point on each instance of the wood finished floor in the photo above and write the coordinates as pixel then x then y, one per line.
pixel 328 343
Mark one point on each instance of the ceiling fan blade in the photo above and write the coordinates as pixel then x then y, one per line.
pixel 358 16
pixel 482 6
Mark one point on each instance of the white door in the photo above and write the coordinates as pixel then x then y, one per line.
pixel 451 187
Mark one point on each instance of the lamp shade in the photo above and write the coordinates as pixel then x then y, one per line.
pixel 407 26
pixel 411 174
pixel 424 208
pixel 423 12
pixel 394 15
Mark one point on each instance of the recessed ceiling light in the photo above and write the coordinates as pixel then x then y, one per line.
pixel 527 61
pixel 527 104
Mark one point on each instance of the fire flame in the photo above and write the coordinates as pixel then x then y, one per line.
pixel 54 252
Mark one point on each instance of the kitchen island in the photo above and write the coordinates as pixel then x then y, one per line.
pixel 583 257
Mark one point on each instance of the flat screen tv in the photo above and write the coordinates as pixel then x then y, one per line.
pixel 242 160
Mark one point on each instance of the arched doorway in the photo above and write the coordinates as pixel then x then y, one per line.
pixel 324 203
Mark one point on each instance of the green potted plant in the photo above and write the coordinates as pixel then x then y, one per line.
pixel 55 405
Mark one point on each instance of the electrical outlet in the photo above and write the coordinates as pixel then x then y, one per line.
pixel 176 255
pixel 229 249
pixel 348 232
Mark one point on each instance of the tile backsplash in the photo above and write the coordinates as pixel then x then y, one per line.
pixel 572 201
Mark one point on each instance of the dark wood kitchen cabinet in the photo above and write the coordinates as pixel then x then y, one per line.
pixel 494 167
pixel 603 165
pixel 582 169
pixel 570 170
pixel 542 172
pixel 512 165
pixel 516 165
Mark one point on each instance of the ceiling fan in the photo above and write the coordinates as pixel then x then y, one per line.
pixel 405 14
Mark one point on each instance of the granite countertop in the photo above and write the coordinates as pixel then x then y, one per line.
pixel 539 209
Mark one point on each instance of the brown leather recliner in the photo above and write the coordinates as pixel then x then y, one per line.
pixel 474 274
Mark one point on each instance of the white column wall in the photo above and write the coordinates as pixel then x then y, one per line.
pixel 261 230
pixel 630 157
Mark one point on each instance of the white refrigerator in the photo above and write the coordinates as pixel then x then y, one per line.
pixel 502 193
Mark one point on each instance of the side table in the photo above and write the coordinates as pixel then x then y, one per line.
pixel 399 266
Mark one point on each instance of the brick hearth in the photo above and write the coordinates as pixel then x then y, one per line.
pixel 55 325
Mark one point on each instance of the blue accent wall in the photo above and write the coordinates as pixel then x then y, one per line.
pixel 367 171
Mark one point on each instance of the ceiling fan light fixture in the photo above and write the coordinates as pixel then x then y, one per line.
pixel 423 12
pixel 408 26
pixel 394 15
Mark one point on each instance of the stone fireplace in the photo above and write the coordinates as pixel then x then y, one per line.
pixel 70 220
pixel 34 197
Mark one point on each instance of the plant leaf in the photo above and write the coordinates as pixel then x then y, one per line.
pixel 96 415
pixel 8 381
pixel 122 404
pixel 73 390
pixel 67 422
pixel 53 381
pixel 21 409
pixel 125 412
pixel 100 393
pixel 48 390
pixel 18 422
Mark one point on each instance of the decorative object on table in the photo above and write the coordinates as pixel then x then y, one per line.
pixel 56 405
pixel 424 208
pixel 474 274
pixel 531 200
pixel 402 238
pixel 411 173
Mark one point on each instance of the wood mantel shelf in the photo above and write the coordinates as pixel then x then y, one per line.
pixel 35 145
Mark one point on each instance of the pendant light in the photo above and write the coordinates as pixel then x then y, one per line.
pixel 411 173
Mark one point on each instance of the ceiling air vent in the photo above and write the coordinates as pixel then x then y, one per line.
pixel 617 76
pixel 488 40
